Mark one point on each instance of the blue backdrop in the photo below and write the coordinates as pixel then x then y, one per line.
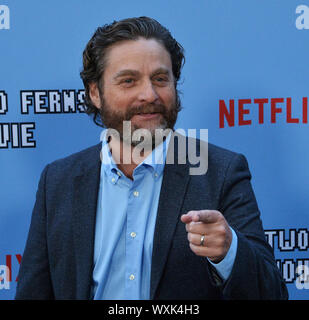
pixel 245 80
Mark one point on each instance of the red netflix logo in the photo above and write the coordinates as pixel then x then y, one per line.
pixel 227 114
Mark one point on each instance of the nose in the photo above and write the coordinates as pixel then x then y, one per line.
pixel 147 93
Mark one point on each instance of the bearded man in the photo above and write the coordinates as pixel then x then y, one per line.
pixel 108 226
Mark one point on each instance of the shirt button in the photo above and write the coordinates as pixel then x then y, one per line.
pixel 156 175
pixel 132 277
pixel 113 180
pixel 133 234
pixel 119 174
pixel 136 193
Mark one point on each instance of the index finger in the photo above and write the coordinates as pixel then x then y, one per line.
pixel 209 216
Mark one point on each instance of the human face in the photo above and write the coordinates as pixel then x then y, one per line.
pixel 138 86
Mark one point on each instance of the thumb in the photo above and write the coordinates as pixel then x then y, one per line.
pixel 190 216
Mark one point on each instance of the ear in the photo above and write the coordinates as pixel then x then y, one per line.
pixel 94 94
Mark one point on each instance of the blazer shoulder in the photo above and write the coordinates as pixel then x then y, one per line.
pixel 77 161
pixel 219 158
pixel 221 161
pixel 220 155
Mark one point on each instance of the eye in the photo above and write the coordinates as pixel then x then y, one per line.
pixel 161 80
pixel 127 82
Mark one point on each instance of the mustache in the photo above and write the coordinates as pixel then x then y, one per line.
pixel 149 108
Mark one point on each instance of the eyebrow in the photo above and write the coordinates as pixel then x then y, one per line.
pixel 160 71
pixel 130 72
pixel 126 72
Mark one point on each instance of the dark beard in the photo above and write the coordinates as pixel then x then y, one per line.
pixel 114 119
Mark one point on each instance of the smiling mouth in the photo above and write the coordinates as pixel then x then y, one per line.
pixel 147 115
pixel 142 113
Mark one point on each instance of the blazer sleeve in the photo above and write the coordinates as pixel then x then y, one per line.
pixel 255 274
pixel 34 280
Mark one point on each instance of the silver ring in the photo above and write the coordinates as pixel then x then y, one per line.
pixel 202 240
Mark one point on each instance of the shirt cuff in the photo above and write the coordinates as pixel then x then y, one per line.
pixel 225 266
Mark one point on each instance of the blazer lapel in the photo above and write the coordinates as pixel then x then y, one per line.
pixel 86 186
pixel 174 185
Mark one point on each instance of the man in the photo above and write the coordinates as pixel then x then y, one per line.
pixel 108 226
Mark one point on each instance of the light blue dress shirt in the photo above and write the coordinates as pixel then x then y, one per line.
pixel 125 223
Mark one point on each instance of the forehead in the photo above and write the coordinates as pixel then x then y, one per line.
pixel 141 54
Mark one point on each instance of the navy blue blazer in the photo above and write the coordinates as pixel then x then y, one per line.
pixel 58 259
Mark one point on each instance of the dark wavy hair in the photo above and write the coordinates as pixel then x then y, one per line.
pixel 94 55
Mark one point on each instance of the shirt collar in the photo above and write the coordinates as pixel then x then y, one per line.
pixel 155 160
